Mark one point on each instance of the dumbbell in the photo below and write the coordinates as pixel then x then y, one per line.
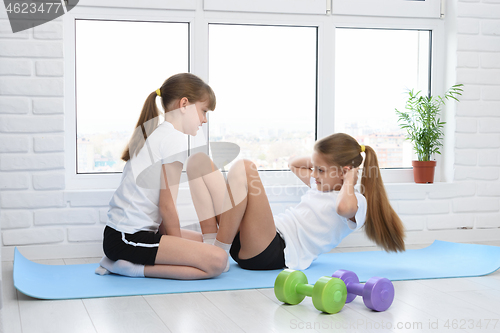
pixel 377 292
pixel 328 294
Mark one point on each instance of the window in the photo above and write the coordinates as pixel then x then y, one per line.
pixel 118 64
pixel 374 68
pixel 283 77
pixel 265 81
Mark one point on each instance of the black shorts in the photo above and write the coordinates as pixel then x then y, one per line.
pixel 139 248
pixel 273 257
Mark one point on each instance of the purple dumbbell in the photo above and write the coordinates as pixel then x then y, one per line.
pixel 377 292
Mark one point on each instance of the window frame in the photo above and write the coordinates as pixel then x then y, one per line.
pixel 199 20
pixel 87 181
pixel 318 7
pixel 145 4
pixel 392 8
pixel 438 51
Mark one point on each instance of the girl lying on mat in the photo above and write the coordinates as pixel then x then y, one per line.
pixel 136 241
pixel 328 212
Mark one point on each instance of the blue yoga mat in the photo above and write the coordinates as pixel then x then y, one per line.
pixel 439 260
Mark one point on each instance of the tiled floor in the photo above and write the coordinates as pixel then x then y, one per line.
pixel 444 305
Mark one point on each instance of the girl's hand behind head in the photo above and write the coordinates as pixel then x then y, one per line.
pixel 350 174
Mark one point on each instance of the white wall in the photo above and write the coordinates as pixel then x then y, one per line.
pixel 47 221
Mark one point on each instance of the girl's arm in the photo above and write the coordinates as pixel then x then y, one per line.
pixel 171 173
pixel 347 204
pixel 302 168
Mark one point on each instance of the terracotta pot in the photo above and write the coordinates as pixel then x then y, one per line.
pixel 423 172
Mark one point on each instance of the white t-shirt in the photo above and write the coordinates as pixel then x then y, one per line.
pixel 134 205
pixel 313 226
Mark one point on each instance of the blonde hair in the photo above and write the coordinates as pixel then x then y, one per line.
pixel 382 224
pixel 174 88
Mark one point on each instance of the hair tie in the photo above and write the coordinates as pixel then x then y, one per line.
pixel 362 148
pixel 158 92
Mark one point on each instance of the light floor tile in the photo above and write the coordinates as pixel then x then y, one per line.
pixel 11 316
pixel 348 319
pixel 440 305
pixel 490 281
pixel 39 316
pixel 453 284
pixel 486 298
pixel 128 322
pixel 113 305
pixel 191 312
pixel 252 311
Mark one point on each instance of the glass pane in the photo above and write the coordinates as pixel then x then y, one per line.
pixel 118 64
pixel 374 69
pixel 265 81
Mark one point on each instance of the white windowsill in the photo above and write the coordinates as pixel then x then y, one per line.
pixel 390 177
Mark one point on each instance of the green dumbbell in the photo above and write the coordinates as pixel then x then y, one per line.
pixel 328 294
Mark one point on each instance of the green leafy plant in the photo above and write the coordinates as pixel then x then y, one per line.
pixel 422 122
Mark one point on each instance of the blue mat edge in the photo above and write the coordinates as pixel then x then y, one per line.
pixel 19 256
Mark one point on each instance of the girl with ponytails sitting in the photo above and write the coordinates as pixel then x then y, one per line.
pixel 327 213
pixel 142 235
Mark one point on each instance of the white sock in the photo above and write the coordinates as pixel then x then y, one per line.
pixel 225 247
pixel 209 238
pixel 122 267
pixel 102 271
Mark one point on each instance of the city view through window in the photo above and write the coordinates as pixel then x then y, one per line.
pixel 374 69
pixel 118 64
pixel 265 81
pixel 264 78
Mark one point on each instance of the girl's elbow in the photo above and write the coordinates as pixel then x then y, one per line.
pixel 340 210
pixel 347 211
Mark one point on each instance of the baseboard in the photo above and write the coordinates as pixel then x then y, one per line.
pixel 358 239
pixel 59 251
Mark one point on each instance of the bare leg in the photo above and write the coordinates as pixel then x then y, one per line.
pixel 180 258
pixel 252 215
pixel 208 191
pixel 192 235
pixel 245 206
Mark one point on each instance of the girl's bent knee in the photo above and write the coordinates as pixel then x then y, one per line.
pixel 247 165
pixel 198 164
pixel 217 262
pixel 242 169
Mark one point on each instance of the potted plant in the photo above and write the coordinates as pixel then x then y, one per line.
pixel 424 129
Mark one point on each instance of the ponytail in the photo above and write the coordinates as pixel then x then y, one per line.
pixel 382 224
pixel 174 88
pixel 148 121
